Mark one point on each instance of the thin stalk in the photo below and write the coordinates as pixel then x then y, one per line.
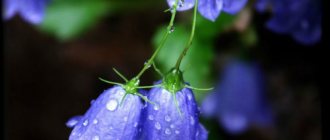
pixel 178 62
pixel 162 42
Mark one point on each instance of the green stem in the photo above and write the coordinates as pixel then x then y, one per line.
pixel 162 42
pixel 178 62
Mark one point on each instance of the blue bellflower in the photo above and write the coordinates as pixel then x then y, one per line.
pixel 211 9
pixel 30 10
pixel 238 101
pixel 107 119
pixel 299 18
pixel 163 121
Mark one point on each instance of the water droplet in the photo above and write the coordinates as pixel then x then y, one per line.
pixel 85 123
pixel 121 92
pixel 112 105
pixel 167 118
pixel 147 65
pixel 151 117
pixel 96 138
pixel 125 119
pixel 197 133
pixel 95 121
pixel 171 29
pixel 111 127
pixel 189 96
pixel 157 126
pixel 135 124
pixel 172 126
pixel 177 132
pixel 167 131
pixel 156 107
pixel 192 120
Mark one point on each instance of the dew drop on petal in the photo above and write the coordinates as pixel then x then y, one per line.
pixel 112 105
pixel 172 125
pixel 177 132
pixel 135 124
pixel 189 97
pixel 156 107
pixel 197 133
pixel 167 131
pixel 151 117
pixel 157 126
pixel 167 118
pixel 85 123
pixel 192 120
pixel 95 121
pixel 96 138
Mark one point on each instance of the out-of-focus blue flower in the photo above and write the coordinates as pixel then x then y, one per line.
pixel 300 18
pixel 30 10
pixel 107 119
pixel 239 100
pixel 162 120
pixel 211 9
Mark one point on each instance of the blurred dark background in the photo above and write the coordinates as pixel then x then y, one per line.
pixel 47 81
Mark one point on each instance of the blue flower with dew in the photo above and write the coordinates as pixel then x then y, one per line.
pixel 164 121
pixel 107 118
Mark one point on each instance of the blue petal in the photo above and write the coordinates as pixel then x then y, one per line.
pixel 262 5
pixel 182 4
pixel 210 9
pixel 33 11
pixel 10 8
pixel 233 6
pixel 209 105
pixel 202 133
pixel 240 97
pixel 106 119
pixel 234 123
pixel 163 121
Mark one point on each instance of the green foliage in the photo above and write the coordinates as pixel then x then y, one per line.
pixel 196 65
pixel 208 30
pixel 67 19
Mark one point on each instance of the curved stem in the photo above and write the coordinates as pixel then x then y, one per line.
pixel 178 62
pixel 162 42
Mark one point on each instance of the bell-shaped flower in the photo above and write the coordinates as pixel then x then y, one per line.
pixel 239 100
pixel 210 9
pixel 299 18
pixel 32 11
pixel 172 116
pixel 108 119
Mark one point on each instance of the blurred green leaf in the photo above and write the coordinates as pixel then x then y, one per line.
pixel 208 30
pixel 196 65
pixel 67 19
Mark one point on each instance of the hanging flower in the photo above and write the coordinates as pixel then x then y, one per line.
pixel 211 9
pixel 173 116
pixel 239 102
pixel 299 18
pixel 32 11
pixel 107 119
